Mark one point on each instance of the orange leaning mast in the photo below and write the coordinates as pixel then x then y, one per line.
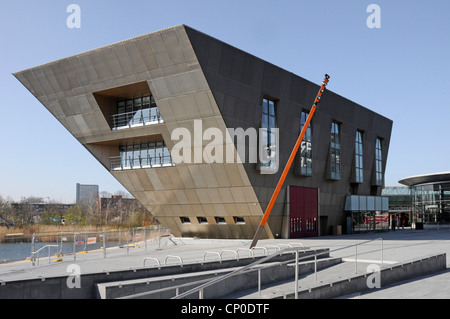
pixel 289 163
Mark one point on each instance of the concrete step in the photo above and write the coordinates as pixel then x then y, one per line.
pixel 161 286
pixel 341 279
pixel 168 286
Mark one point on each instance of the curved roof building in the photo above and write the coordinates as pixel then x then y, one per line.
pixel 426 179
pixel 430 197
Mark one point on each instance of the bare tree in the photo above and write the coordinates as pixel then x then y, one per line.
pixel 123 194
pixel 105 194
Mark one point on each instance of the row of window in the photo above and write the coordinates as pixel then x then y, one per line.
pixel 268 123
pixel 219 220
pixel 136 104
pixel 140 111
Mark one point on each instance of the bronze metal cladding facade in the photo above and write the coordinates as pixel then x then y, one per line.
pixel 192 76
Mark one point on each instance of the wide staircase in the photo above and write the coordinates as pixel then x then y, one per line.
pixel 291 272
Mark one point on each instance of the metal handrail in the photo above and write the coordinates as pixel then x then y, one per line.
pixel 132 118
pixel 250 268
pixel 229 250
pixel 146 293
pixel 212 252
pixel 172 256
pixel 235 272
pixel 151 258
pixel 272 246
pixel 118 163
pixel 263 248
pixel 240 270
pixel 34 253
pixel 246 249
pixel 177 287
pixel 81 240
pixel 37 251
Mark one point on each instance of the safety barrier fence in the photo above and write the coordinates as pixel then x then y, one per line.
pixel 73 243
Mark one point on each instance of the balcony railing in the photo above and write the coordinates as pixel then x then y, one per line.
pixel 148 116
pixel 119 163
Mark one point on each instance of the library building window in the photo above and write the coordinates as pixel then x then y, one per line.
pixel 306 147
pixel 335 151
pixel 378 163
pixel 359 157
pixel 269 139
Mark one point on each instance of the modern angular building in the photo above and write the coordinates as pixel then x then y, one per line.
pixel 129 104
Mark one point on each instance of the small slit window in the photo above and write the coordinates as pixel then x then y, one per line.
pixel 220 220
pixel 185 220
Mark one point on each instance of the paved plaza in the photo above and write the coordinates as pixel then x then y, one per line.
pixel 398 246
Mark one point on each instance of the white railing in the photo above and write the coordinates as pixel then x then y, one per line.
pixel 148 116
pixel 123 163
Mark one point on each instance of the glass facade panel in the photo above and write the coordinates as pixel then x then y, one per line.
pixel 136 156
pixel 129 104
pixel 121 107
pixel 129 156
pixel 158 153
pixel 431 203
pixel 272 108
pixel 272 121
pixel 265 106
pixel 371 203
pixel 362 203
pixel 153 114
pixel 265 139
pixel 265 121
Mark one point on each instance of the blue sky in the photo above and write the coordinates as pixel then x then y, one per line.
pixel 400 70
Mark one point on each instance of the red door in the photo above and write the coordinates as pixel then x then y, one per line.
pixel 303 211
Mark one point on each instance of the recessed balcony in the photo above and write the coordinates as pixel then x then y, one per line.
pixel 139 156
pixel 128 106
